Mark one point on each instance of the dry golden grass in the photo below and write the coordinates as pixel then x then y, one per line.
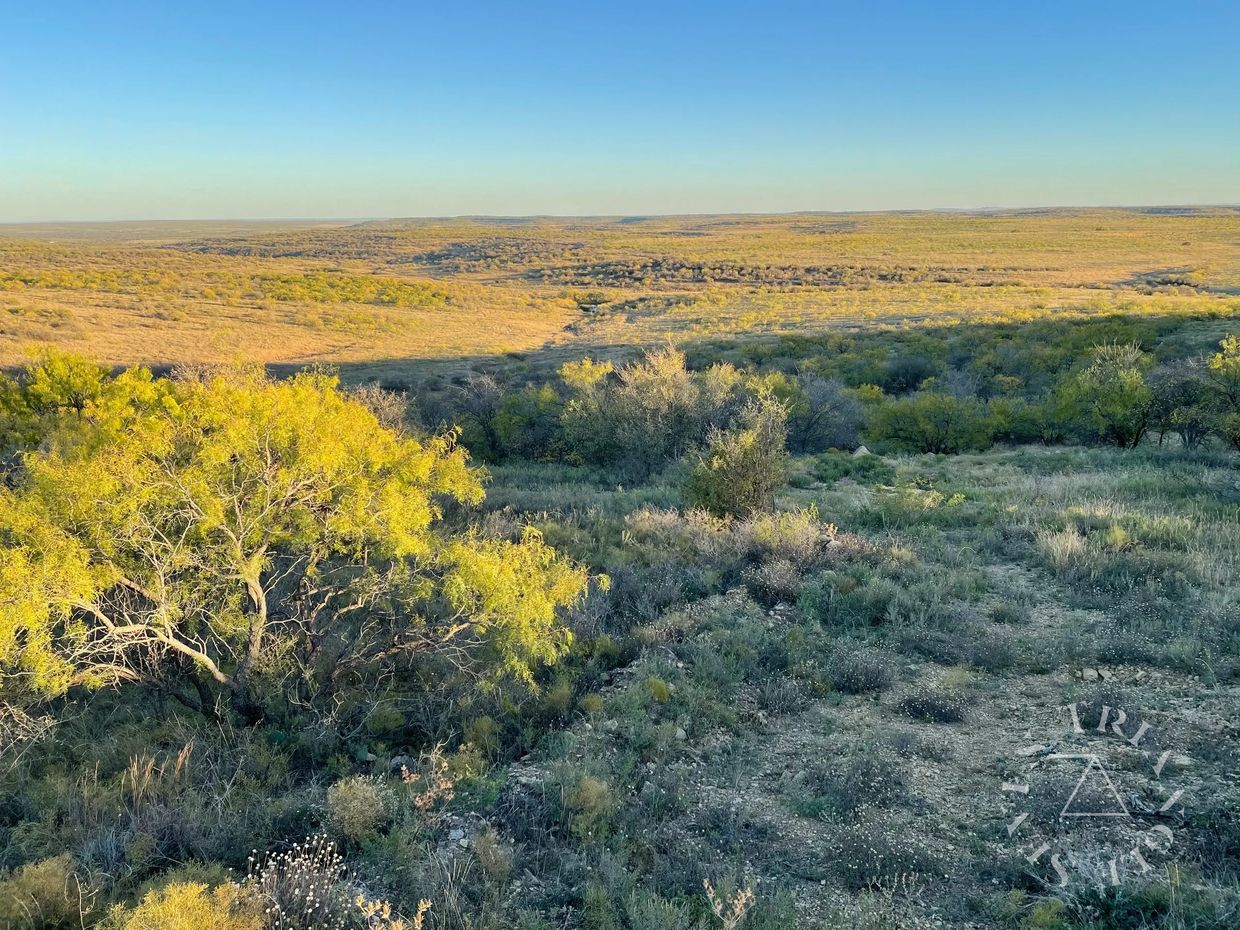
pixel 380 297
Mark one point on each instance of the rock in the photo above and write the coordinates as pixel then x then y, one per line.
pixel 1089 674
pixel 1040 751
pixel 401 762
pixel 611 726
pixel 587 727
pixel 860 451
pixel 681 734
pixel 1105 675
pixel 456 835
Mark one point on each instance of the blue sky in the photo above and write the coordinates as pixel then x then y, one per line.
pixel 124 110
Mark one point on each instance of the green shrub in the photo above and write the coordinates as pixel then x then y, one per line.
pixel 358 807
pixel 483 732
pixel 46 895
pixel 741 469
pixel 860 671
pixel 658 689
pixel 931 422
pixel 591 704
pixel 192 906
pixel 837 600
pixel 592 805
pixel 865 776
pixel 864 469
pixel 934 705
pixel 1111 398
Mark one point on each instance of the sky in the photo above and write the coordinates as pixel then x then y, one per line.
pixel 123 110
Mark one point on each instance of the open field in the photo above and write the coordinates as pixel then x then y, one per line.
pixel 383 297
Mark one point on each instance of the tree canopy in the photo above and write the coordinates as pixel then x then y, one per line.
pixel 260 537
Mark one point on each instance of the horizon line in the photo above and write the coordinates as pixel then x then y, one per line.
pixel 637 215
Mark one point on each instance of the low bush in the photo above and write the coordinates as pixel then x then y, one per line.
pixel 358 807
pixel 934 705
pixel 839 600
pixel 860 671
pixel 870 853
pixel 591 805
pixel 869 776
pixel 740 469
pixel 46 895
pixel 192 906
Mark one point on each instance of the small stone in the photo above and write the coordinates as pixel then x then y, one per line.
pixel 1089 674
pixel 860 451
pixel 456 835
pixel 611 726
pixel 681 734
pixel 587 727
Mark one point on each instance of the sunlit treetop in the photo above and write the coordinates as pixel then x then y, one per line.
pixel 246 526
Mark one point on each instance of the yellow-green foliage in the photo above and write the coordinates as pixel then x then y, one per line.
pixel 741 469
pixel 1224 368
pixel 483 733
pixel 160 517
pixel 558 698
pixel 358 806
pixel 658 689
pixel 191 906
pixel 591 704
pixel 592 804
pixel 1113 395
pixel 314 287
pixel 44 895
pixel 512 591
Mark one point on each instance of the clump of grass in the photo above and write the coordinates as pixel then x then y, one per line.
pixel 358 807
pixel 781 695
pixel 1011 613
pixel 658 689
pixel 860 671
pixel 1063 549
pixel 591 804
pixel 934 705
pixel 843 786
pixel 870 853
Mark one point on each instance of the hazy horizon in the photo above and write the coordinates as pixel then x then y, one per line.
pixel 483 217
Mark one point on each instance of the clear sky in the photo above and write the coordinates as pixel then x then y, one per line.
pixel 124 110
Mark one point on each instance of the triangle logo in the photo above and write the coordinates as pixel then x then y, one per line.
pixel 1095 794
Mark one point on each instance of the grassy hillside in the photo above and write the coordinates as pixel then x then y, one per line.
pixel 804 572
